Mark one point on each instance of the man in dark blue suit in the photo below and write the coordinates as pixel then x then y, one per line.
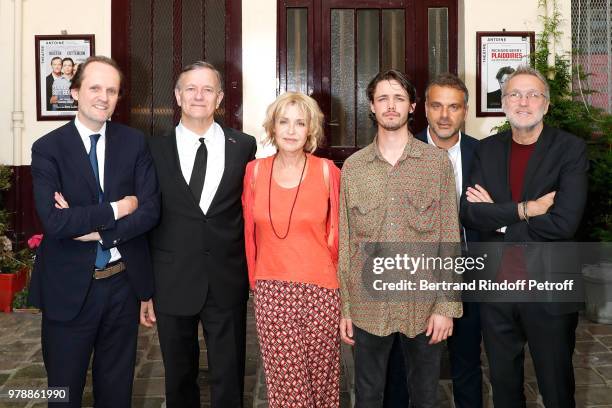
pixel 96 194
pixel 446 107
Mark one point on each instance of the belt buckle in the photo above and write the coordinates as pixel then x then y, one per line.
pixel 109 270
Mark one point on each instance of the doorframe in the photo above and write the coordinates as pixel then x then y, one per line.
pixel 120 52
pixel 416 58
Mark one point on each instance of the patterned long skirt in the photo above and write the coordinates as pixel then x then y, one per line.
pixel 297 325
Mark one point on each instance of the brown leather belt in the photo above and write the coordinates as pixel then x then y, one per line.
pixel 109 271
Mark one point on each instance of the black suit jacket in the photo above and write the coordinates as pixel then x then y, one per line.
pixel 494 99
pixel 468 147
pixel 64 267
pixel 196 255
pixel 49 90
pixel 559 163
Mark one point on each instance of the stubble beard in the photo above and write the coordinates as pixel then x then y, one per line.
pixel 528 127
pixel 393 127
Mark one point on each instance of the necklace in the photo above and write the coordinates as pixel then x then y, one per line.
pixel 292 205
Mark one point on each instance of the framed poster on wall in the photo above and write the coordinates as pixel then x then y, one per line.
pixel 499 54
pixel 57 59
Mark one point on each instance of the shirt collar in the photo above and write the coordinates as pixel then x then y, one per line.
pixel 85 132
pixel 452 149
pixel 411 149
pixel 213 133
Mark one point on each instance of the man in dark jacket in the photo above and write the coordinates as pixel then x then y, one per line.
pixel 198 251
pixel 446 107
pixel 528 185
pixel 96 194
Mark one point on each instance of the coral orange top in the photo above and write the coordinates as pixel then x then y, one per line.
pixel 307 254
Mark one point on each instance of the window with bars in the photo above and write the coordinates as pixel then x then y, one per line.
pixel 152 40
pixel 592 45
pixel 331 49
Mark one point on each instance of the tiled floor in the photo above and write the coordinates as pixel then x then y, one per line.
pixel 21 366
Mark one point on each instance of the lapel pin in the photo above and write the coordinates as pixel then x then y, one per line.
pixel 231 139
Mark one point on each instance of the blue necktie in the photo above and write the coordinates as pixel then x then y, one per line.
pixel 102 255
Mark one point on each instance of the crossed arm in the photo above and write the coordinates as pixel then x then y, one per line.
pixel 556 214
pixel 133 215
pixel 126 206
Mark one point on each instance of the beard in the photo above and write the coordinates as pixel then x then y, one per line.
pixel 391 126
pixel 525 126
pixel 444 134
pixel 515 120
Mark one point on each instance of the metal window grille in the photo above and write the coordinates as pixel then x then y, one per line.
pixel 592 44
pixel 165 36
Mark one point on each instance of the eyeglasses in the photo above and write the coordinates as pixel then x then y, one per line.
pixel 533 96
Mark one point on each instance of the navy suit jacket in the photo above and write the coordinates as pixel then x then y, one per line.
pixel 468 147
pixel 64 267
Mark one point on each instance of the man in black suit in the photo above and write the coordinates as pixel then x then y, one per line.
pixel 528 185
pixel 446 107
pixel 56 72
pixel 494 98
pixel 96 195
pixel 198 247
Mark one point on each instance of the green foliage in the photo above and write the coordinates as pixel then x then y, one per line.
pixel 5 184
pixel 5 178
pixel 598 214
pixel 13 262
pixel 10 261
pixel 20 301
pixel 567 111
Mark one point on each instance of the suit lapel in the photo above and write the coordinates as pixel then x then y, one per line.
pixel 175 168
pixel 80 158
pixel 466 160
pixel 536 159
pixel 505 178
pixel 111 155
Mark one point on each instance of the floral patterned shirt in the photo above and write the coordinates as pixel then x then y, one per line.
pixel 412 204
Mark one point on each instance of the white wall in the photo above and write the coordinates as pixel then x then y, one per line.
pixel 258 65
pixel 6 80
pixel 259 54
pixel 487 15
pixel 42 17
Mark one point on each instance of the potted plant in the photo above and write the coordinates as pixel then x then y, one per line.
pixel 15 266
pixel 20 300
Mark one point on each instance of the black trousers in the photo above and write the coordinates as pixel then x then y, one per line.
pixel 464 353
pixel 371 358
pixel 224 332
pixel 507 327
pixel 107 325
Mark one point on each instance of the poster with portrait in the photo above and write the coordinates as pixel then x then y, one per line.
pixel 499 54
pixel 57 59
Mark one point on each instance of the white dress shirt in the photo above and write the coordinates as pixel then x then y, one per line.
pixel 454 154
pixel 187 144
pixel 85 132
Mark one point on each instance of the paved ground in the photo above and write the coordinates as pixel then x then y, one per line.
pixel 21 366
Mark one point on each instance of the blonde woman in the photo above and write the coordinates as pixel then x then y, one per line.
pixel 290 205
